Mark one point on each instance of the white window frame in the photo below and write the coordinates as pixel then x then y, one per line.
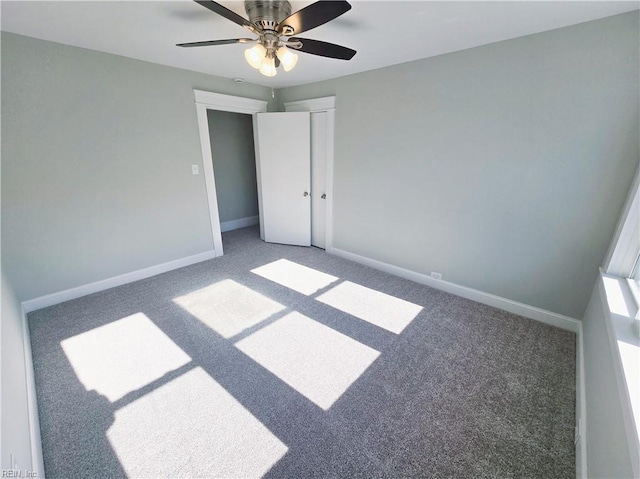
pixel 619 264
pixel 625 247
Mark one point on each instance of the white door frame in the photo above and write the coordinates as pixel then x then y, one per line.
pixel 326 104
pixel 216 101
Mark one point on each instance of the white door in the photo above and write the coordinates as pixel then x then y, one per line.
pixel 283 165
pixel 318 178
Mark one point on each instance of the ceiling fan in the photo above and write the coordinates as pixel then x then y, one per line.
pixel 276 26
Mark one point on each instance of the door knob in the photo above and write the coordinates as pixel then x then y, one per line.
pixel 324 196
pixel 306 193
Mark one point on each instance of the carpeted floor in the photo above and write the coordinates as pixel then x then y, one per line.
pixel 285 362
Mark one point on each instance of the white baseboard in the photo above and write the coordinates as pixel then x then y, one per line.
pixel 37 462
pixel 239 223
pixel 538 314
pixel 581 413
pixel 73 293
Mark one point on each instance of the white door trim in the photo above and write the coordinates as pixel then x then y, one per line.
pixel 204 101
pixel 314 105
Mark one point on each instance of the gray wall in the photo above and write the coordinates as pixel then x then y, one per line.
pixel 607 448
pixel 504 167
pixel 96 155
pixel 234 164
pixel 15 418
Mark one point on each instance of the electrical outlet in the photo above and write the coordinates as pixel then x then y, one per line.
pixel 435 275
pixel 195 170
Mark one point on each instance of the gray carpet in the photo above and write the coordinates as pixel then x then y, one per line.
pixel 310 366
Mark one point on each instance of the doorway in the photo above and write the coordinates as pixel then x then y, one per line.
pixel 205 101
pixel 233 154
pixel 214 101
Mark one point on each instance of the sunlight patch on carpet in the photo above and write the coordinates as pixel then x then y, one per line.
pixel 388 312
pixel 192 427
pixel 295 276
pixel 228 307
pixel 122 356
pixel 317 361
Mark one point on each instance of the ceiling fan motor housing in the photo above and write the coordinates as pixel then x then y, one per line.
pixel 267 13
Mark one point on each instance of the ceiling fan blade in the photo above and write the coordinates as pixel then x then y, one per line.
pixel 216 42
pixel 228 14
pixel 323 49
pixel 312 16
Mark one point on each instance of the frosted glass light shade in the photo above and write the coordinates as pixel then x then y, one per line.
pixel 268 67
pixel 287 57
pixel 255 55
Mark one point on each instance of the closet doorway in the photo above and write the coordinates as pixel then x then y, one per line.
pixel 321 132
pixel 292 179
pixel 322 111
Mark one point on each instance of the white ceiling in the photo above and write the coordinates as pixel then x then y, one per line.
pixel 383 32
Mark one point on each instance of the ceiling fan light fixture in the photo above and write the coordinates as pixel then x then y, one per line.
pixel 268 67
pixel 287 58
pixel 270 21
pixel 255 55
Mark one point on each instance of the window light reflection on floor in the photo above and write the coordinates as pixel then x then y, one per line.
pixel 122 356
pixel 383 310
pixel 228 307
pixel 192 416
pixel 317 361
pixel 295 276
